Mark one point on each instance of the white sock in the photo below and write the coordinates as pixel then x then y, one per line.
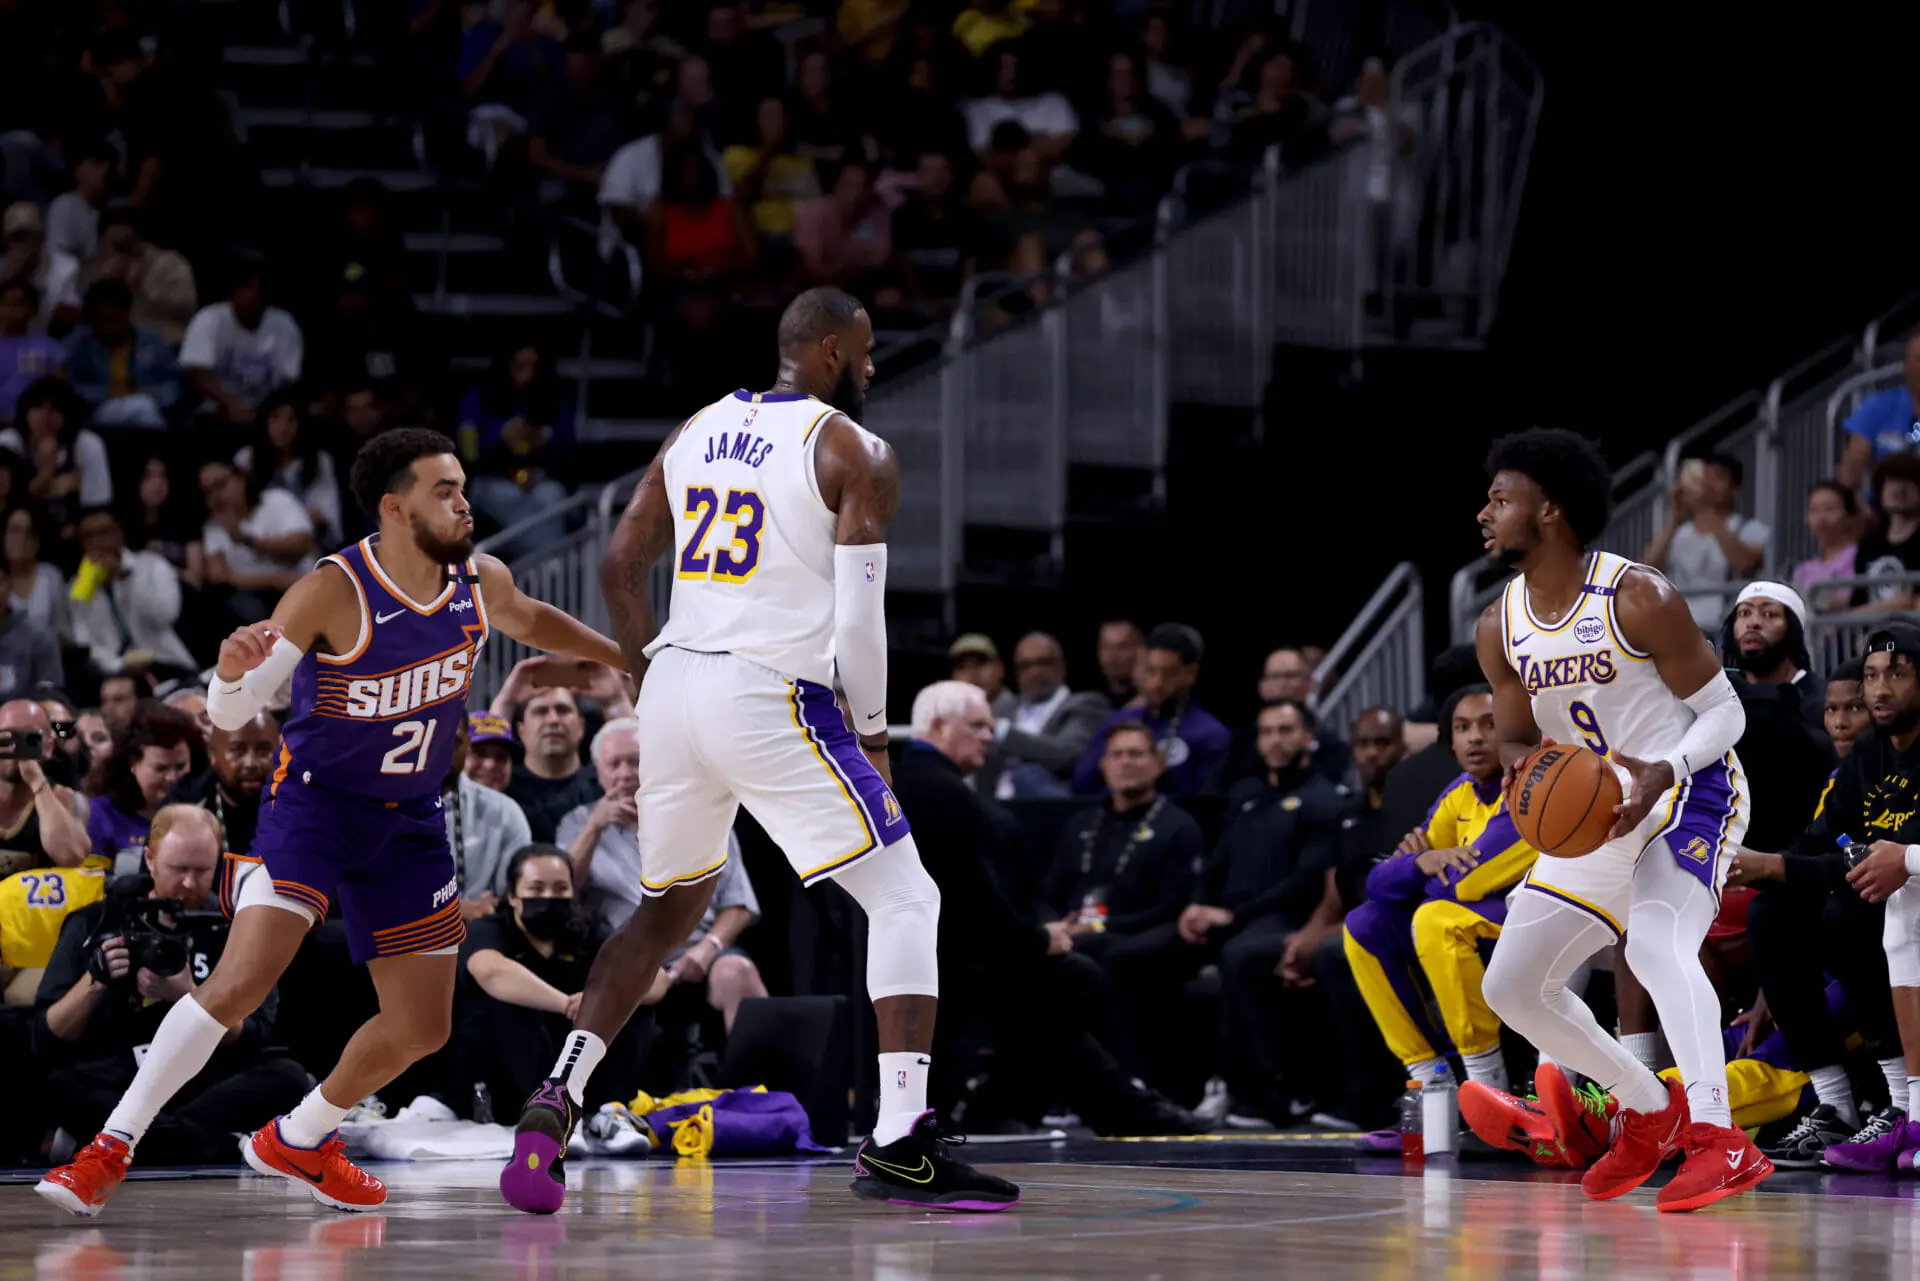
pixel 187 1038
pixel 1895 1070
pixel 311 1122
pixel 1425 1070
pixel 903 1095
pixel 1913 1096
pixel 1489 1068
pixel 1833 1088
pixel 1644 1046
pixel 578 1058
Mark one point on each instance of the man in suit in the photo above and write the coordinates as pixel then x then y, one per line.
pixel 1037 744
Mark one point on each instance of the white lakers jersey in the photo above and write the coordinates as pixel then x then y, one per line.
pixel 753 546
pixel 1588 685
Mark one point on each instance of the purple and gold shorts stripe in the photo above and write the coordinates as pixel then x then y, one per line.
pixel 442 929
pixel 691 878
pixel 1574 900
pixel 305 895
pixel 816 715
pixel 1697 827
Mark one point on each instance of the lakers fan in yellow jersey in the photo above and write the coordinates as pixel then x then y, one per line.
pixel 33 906
pixel 1584 646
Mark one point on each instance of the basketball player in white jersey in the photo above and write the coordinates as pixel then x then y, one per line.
pixel 1588 647
pixel 775 507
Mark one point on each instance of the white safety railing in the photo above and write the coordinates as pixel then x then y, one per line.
pixel 1381 659
pixel 1796 445
pixel 1835 636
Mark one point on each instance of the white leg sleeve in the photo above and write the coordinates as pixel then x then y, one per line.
pixel 903 920
pixel 1666 925
pixel 256 890
pixel 1902 936
pixel 1543 944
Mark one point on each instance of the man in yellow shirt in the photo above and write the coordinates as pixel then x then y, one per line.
pixel 33 905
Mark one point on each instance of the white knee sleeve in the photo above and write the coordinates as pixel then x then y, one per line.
pixel 903 920
pixel 256 890
pixel 1902 936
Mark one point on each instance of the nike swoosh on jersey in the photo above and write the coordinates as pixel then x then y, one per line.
pixel 923 1173
pixel 1521 640
pixel 387 618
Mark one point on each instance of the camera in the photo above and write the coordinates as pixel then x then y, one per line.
pixel 135 917
pixel 22 745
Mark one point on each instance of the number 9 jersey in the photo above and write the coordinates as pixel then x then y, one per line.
pixel 753 538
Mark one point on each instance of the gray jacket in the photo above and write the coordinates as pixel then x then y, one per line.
pixel 1056 748
pixel 492 830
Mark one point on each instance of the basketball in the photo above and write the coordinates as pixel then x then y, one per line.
pixel 1562 799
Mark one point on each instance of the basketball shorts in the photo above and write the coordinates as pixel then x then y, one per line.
pixel 391 867
pixel 1699 824
pixel 718 732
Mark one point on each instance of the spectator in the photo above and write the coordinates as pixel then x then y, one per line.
pixel 70 468
pixel 1890 551
pixel 54 275
pixel 41 823
pixel 484 828
pixel 1062 50
pixel 191 698
pixel 938 240
pixel 1040 739
pixel 986 23
pixel 29 654
pixel 1369 118
pixel 119 696
pixel 240 762
pixel 1131 143
pixel 1431 904
pixel 1279 113
pixel 1192 740
pixel 631 185
pixel 1886 423
pixel 366 250
pixel 258 541
pixel 505 61
pixel 975 659
pixel 522 972
pixel 1119 649
pixel 1429 765
pixel 1283 748
pixel 37 588
pixel 577 124
pixel 602 837
pixel 73 219
pixel 150 757
pixel 921 116
pixel 1038 998
pixel 364 336
pixel 739 61
pixel 1765 637
pixel 127 376
pixel 1833 518
pixel 550 782
pixel 642 59
pixel 846 238
pixel 161 522
pixel 490 750
pixel 96 1025
pixel 90 727
pixel 1167 79
pixel 1705 542
pixel 1846 716
pixel 33 906
pixel 516 433
pixel 289 457
pixel 1049 120
pixel 1285 678
pixel 165 297
pixel 25 356
pixel 238 351
pixel 769 178
pixel 821 132
pixel 708 964
pixel 700 246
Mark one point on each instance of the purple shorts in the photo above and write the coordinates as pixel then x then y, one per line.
pixel 389 864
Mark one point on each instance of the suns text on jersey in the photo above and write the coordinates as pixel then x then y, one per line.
pixel 1596 668
pixel 744 447
pixel 378 697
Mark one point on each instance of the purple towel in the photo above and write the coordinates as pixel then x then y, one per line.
pixel 745 1123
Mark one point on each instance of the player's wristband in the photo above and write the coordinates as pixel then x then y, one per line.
pixel 879 749
pixel 1913 860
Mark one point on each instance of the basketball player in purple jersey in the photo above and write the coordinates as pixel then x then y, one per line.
pixel 379 641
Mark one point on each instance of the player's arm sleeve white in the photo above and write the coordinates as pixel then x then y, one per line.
pixel 232 705
pixel 860 632
pixel 1718 722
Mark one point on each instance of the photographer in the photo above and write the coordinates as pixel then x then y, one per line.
pixel 40 823
pixel 118 967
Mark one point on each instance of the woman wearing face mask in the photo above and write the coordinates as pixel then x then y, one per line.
pixel 523 970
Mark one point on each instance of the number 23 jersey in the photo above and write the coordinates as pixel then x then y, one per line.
pixel 753 538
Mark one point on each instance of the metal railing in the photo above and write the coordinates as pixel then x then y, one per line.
pixel 1796 444
pixel 1381 659
pixel 1835 636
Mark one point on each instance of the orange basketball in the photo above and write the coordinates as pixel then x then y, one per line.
pixel 1562 799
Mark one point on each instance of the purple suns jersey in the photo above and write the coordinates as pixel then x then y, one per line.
pixel 380 722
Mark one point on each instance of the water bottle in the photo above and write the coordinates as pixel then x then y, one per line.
pixel 1856 854
pixel 482 1104
pixel 1440 1114
pixel 1412 1140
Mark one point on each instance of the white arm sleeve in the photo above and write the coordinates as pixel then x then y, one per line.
pixel 1719 720
pixel 231 706
pixel 860 632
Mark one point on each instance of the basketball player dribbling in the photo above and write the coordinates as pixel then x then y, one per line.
pixel 775 507
pixel 379 641
pixel 1589 647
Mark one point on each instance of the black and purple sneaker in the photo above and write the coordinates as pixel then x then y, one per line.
pixel 914 1171
pixel 535 1179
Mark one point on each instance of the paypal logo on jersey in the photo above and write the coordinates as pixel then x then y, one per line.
pixel 1557 673
pixel 378 697
pixel 744 447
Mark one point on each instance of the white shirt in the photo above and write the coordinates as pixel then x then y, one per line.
pixel 250 363
pixel 46 601
pixel 58 281
pixel 147 594
pixel 1044 116
pixel 320 491
pixel 89 455
pixel 1697 560
pixel 632 177
pixel 277 515
pixel 1032 718
pixel 73 226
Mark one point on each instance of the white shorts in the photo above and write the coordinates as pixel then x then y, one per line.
pixel 1699 825
pixel 718 732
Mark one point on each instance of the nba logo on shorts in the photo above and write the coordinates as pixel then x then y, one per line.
pixel 900 1081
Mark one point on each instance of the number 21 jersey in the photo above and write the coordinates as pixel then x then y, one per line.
pixel 753 538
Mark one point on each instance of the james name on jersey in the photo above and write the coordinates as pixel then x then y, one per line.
pixel 398 693
pixel 745 447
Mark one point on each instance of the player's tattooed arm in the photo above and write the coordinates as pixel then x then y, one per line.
pixel 536 624
pixel 643 536
pixel 860 480
pixel 1512 706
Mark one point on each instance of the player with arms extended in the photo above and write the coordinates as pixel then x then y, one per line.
pixel 379 641
pixel 775 507
pixel 1592 648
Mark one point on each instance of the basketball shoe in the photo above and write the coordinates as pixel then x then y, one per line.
pixel 1802 1147
pixel 1720 1161
pixel 1585 1118
pixel 535 1178
pixel 914 1171
pixel 1877 1148
pixel 1642 1141
pixel 1513 1124
pixel 83 1185
pixel 324 1172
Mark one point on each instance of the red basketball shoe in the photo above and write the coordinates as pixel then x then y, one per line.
pixel 83 1185
pixel 1642 1143
pixel 1720 1162
pixel 1583 1118
pixel 324 1172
